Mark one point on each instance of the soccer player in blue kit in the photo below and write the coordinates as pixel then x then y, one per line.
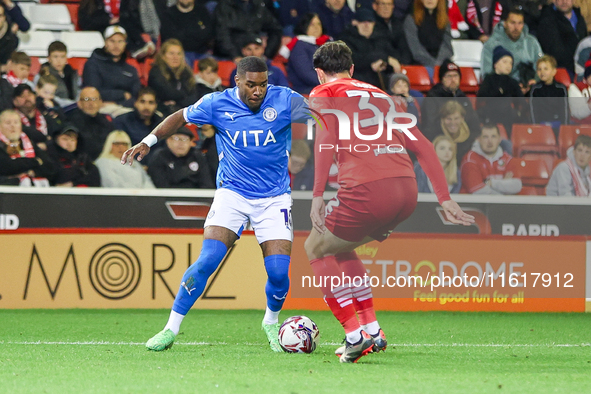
pixel 253 136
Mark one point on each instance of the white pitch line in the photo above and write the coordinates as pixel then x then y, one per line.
pixel 94 343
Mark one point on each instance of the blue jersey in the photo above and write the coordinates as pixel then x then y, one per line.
pixel 253 148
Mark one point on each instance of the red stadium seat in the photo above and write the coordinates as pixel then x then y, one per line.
pixel 562 76
pixel 547 158
pixel 568 134
pixel 530 138
pixel 77 63
pixel 532 172
pixel 73 10
pixel 418 77
pixel 225 68
pixel 528 191
pixel 469 82
pixel 140 70
pixel 35 67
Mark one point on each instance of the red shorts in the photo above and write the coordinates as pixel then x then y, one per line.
pixel 372 209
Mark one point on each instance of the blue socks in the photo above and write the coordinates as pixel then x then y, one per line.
pixel 196 276
pixel 277 286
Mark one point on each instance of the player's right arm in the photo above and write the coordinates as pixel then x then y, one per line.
pixel 198 113
pixel 164 130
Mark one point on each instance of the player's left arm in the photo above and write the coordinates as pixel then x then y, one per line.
pixel 429 161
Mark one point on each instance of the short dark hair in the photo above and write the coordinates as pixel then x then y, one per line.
pixel 146 90
pixel 302 27
pixel 333 57
pixel 47 79
pixel 57 46
pixel 516 11
pixel 208 62
pixel 490 126
pixel 583 140
pixel 251 64
pixel 20 58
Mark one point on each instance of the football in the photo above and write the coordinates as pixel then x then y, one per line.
pixel 299 334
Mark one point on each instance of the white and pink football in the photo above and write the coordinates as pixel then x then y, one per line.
pixel 299 334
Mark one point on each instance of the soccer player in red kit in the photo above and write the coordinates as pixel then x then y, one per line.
pixel 378 190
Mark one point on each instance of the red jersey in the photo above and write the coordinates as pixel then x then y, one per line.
pixel 360 141
pixel 477 169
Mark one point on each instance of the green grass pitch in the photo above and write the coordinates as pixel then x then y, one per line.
pixel 102 351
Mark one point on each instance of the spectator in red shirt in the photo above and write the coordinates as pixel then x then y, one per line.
pixel 484 168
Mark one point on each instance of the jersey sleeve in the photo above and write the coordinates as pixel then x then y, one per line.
pixel 425 153
pixel 300 110
pixel 324 142
pixel 200 112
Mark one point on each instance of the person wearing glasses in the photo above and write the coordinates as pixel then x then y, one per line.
pixel 179 164
pixel 93 126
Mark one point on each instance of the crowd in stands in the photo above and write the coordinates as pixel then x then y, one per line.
pixel 161 56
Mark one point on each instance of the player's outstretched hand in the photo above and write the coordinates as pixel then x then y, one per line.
pixel 317 214
pixel 454 213
pixel 140 149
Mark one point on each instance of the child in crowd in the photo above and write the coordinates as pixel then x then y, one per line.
pixel 17 72
pixel 400 86
pixel 548 98
pixel 494 103
pixel 208 80
pixel 45 103
pixel 68 80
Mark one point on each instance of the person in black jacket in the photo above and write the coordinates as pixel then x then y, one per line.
pixel 75 168
pixel 500 99
pixel 172 78
pixel 391 28
pixel 142 120
pixel 235 18
pixel 94 15
pixel 106 70
pixel 447 88
pixel 207 79
pixel 548 101
pixel 93 126
pixel 179 164
pixel 8 40
pixel 372 54
pixel 22 163
pixel 191 24
pixel 557 35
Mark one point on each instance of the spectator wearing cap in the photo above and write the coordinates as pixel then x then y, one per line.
pixel 373 55
pixel 24 101
pixel 236 18
pixel 494 95
pixel 335 15
pixel 428 32
pixel 388 26
pixel 107 70
pixel 254 46
pixel 22 162
pixel 93 126
pixel 98 15
pixel 561 29
pixel 447 88
pixel 75 169
pixel 179 164
pixel 190 23
pixel 513 35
